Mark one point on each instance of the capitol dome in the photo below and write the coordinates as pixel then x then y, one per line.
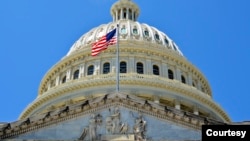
pixel 151 66
pixel 154 78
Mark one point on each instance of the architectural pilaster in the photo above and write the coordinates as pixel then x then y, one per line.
pixel 113 65
pixel 68 74
pixel 81 70
pixel 97 67
pixel 149 68
pixel 190 79
pixel 131 64
pixel 57 80
pixel 178 74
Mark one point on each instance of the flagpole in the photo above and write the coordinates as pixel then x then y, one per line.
pixel 117 60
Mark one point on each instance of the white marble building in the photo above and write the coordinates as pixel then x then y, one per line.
pixel 161 96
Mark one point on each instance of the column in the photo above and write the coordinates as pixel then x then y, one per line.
pixel 148 67
pixel 199 85
pixel 178 74
pixel 131 65
pixel 133 17
pixel 113 65
pixel 164 70
pixel 116 15
pixel 49 85
pixel 57 80
pixel 127 14
pixel 97 67
pixel 68 74
pixel 121 14
pixel 190 79
pixel 81 70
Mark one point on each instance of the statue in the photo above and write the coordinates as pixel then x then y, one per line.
pixel 139 128
pixel 94 121
pixel 116 120
pixel 109 125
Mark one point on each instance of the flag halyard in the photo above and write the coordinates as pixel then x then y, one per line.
pixel 104 42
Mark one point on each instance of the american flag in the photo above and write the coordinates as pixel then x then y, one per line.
pixel 103 42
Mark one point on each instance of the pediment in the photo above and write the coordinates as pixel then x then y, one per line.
pixel 109 117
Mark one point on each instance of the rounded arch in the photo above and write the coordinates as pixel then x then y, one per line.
pixel 183 79
pixel 90 70
pixel 106 68
pixel 123 67
pixel 156 70
pixel 139 67
pixel 76 74
pixel 170 74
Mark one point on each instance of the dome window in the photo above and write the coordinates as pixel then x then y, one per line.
pixel 156 70
pixel 183 79
pixel 106 68
pixel 64 79
pixel 146 33
pixel 123 67
pixel 139 68
pixel 170 74
pixel 76 74
pixel 123 30
pixel 157 37
pixel 135 31
pixel 166 41
pixel 90 70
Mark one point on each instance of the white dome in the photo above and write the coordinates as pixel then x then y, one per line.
pixel 129 30
pixel 125 13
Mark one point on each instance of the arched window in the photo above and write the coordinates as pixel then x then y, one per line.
pixel 64 79
pixel 106 68
pixel 90 70
pixel 183 79
pixel 157 37
pixel 166 41
pixel 139 68
pixel 123 67
pixel 170 74
pixel 156 70
pixel 76 74
pixel 146 33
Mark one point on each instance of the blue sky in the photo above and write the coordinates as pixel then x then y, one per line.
pixel 213 35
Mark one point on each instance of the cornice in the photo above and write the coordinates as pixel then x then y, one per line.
pixel 127 79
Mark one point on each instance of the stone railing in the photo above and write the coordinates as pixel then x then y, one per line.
pixel 129 78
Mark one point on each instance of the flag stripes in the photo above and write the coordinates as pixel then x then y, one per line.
pixel 103 43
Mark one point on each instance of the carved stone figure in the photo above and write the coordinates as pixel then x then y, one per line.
pixel 139 128
pixel 116 120
pixel 109 125
pixel 92 128
pixel 94 121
